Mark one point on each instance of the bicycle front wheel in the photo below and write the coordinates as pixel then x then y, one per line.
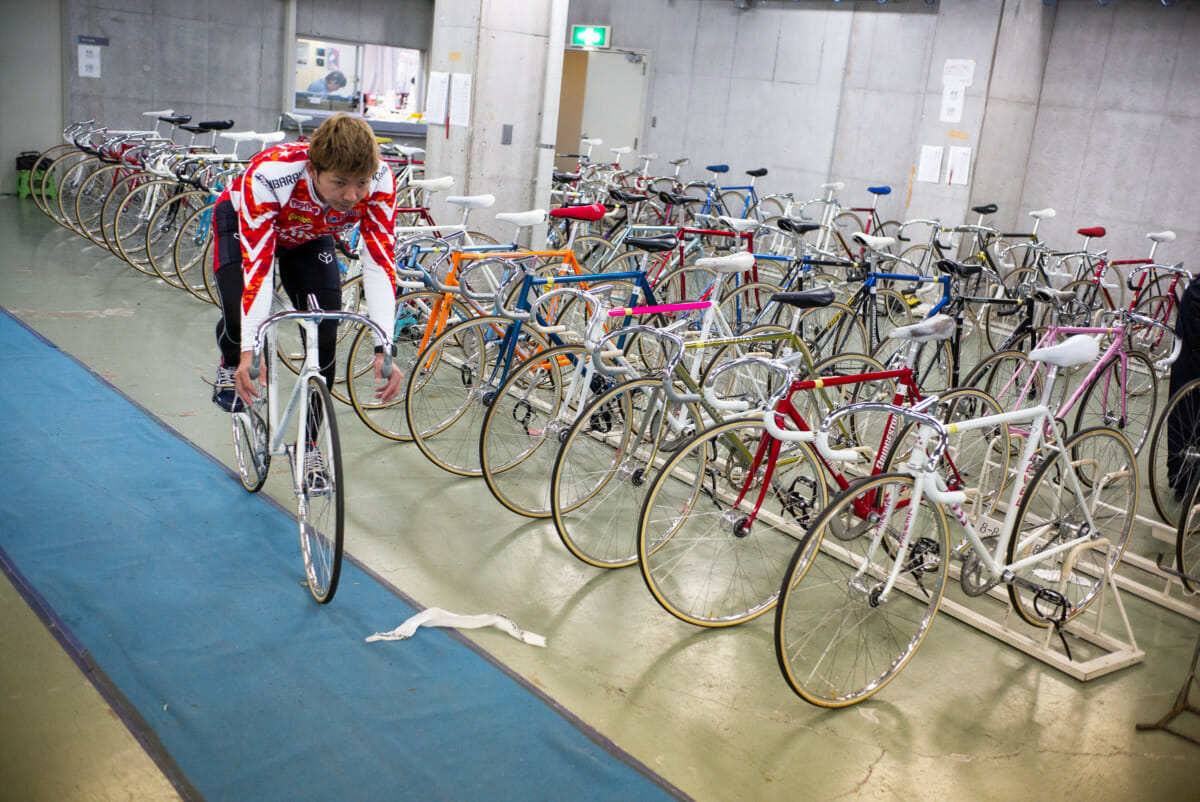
pixel 1089 488
pixel 320 500
pixel 838 638
pixel 722 519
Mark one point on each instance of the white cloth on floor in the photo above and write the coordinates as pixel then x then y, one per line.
pixel 437 617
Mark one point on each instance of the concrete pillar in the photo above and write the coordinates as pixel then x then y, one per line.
pixel 504 45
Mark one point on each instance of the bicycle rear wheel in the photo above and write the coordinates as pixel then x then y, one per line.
pixel 1052 512
pixel 605 467
pixel 450 386
pixel 1126 406
pixel 191 253
pixel 89 201
pixel 165 229
pixel 714 539
pixel 416 314
pixel 1175 453
pixel 251 448
pixel 1187 540
pixel 42 168
pixel 838 640
pixel 321 499
pixel 1156 342
pixel 525 426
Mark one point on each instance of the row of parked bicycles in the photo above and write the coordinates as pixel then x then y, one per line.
pixel 762 411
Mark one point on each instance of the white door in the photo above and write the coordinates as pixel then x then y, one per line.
pixel 614 103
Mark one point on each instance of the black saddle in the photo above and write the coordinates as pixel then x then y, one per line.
pixel 657 244
pixel 805 299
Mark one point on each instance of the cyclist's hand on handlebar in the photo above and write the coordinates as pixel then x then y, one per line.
pixel 241 378
pixel 386 392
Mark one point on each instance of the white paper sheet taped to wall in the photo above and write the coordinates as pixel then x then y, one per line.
pixel 437 617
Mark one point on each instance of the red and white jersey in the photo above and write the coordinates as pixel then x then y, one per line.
pixel 278 207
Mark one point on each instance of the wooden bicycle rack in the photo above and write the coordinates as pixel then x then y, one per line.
pixel 1096 650
pixel 1149 580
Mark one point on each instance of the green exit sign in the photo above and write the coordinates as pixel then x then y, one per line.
pixel 590 35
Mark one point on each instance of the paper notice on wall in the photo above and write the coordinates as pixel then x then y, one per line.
pixel 959 71
pixel 89 61
pixel 460 99
pixel 929 169
pixel 953 96
pixel 435 98
pixel 958 165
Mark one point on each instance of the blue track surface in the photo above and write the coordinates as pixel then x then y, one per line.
pixel 180 592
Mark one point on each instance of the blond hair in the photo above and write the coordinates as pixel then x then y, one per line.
pixel 345 145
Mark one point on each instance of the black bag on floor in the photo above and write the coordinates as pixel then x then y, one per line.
pixel 27 160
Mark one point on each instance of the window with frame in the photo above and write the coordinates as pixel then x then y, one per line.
pixel 378 82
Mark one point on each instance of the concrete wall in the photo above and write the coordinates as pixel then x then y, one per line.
pixel 31 115
pixel 1089 109
pixel 214 59
pixel 1116 141
pixel 1092 110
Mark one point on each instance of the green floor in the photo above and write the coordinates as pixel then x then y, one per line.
pixel 969 718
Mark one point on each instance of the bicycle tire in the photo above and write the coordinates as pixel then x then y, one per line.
pixel 192 251
pixel 1187 541
pixel 414 316
pixel 526 424
pixel 112 205
pixel 321 510
pixel 133 220
pixel 1157 343
pixel 164 230
pixel 41 168
pixel 1174 457
pixel 605 466
pixel 446 390
pixel 711 565
pixel 1047 515
pixel 251 448
pixel 74 173
pixel 837 641
pixel 1100 404
pixel 89 202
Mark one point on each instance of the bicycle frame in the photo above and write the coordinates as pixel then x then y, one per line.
pixel 770 444
pixel 928 482
pixel 1114 348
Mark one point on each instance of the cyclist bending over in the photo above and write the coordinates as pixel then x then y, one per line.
pixel 288 205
